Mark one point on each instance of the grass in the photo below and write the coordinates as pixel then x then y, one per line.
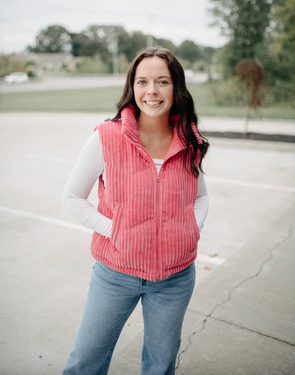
pixel 80 100
pixel 104 99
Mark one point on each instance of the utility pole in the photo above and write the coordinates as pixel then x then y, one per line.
pixel 114 49
pixel 149 41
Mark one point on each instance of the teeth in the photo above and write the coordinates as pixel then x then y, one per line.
pixel 153 103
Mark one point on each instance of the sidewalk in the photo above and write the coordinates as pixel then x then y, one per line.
pixel 241 319
pixel 263 126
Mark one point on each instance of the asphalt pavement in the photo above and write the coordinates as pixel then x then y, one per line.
pixel 76 81
pixel 241 319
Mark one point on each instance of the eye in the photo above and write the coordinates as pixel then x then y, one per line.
pixel 141 82
pixel 163 82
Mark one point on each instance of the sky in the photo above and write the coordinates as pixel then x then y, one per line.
pixel 177 20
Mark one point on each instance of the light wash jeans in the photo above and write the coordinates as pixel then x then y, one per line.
pixel 111 299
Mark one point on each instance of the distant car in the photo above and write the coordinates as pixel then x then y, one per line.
pixel 16 77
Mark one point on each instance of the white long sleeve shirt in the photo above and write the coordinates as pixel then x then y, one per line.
pixel 88 168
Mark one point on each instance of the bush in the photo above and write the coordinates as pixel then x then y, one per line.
pixel 92 65
pixel 200 66
pixel 228 94
pixel 282 93
pixel 31 73
pixel 185 63
pixel 123 64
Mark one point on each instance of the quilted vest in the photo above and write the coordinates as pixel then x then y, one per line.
pixel 154 231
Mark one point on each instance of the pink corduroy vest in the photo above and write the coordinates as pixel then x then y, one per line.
pixel 154 231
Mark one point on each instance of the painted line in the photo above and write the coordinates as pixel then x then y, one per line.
pixel 206 259
pixel 287 189
pixel 50 158
pixel 45 219
pixel 67 224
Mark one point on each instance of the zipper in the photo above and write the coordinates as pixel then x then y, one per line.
pixel 158 221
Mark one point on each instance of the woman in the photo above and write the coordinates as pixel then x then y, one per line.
pixel 152 205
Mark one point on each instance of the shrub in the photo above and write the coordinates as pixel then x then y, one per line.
pixel 227 94
pixel 92 65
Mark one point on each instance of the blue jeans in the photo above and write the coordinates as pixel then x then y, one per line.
pixel 111 299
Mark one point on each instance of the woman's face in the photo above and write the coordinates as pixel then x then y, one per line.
pixel 153 87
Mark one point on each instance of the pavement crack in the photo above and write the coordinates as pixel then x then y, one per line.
pixel 271 251
pixel 252 330
pixel 179 354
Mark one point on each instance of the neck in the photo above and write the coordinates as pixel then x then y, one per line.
pixel 158 125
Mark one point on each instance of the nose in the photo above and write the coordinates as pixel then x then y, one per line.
pixel 152 90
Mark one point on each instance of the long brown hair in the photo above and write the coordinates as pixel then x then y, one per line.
pixel 183 104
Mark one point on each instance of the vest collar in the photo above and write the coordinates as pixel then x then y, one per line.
pixel 130 130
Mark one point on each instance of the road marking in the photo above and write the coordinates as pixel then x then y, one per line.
pixel 45 219
pixel 207 259
pixel 287 189
pixel 67 224
pixel 50 158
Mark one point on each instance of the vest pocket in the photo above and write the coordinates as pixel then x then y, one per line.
pixel 197 231
pixel 195 225
pixel 117 224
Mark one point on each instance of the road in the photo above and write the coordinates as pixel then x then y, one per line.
pixel 45 256
pixel 78 82
pixel 64 83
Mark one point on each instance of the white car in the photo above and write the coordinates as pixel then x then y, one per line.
pixel 16 77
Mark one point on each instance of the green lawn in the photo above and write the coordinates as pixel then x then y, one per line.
pixel 104 99
pixel 81 100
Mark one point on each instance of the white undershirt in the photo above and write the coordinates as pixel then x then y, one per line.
pixel 87 169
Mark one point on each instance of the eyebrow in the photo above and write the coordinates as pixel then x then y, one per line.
pixel 157 77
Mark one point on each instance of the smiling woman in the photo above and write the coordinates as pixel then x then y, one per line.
pixel 153 88
pixel 152 206
pixel 153 93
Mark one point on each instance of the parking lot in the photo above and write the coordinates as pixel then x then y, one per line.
pixel 45 258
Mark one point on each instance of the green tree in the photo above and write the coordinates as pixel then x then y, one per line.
pixel 244 22
pixel 208 53
pixel 99 39
pixel 111 34
pixel 284 42
pixel 89 43
pixel 166 43
pixel 188 50
pixel 54 38
pixel 277 54
pixel 136 42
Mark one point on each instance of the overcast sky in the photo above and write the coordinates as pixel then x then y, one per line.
pixel 21 20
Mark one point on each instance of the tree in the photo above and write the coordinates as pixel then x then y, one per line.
pixel 284 42
pixel 89 43
pixel 111 34
pixel 136 42
pixel 166 44
pixel 244 22
pixel 208 53
pixel 100 39
pixel 277 54
pixel 188 50
pixel 54 38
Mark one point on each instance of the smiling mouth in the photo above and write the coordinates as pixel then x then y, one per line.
pixel 153 102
